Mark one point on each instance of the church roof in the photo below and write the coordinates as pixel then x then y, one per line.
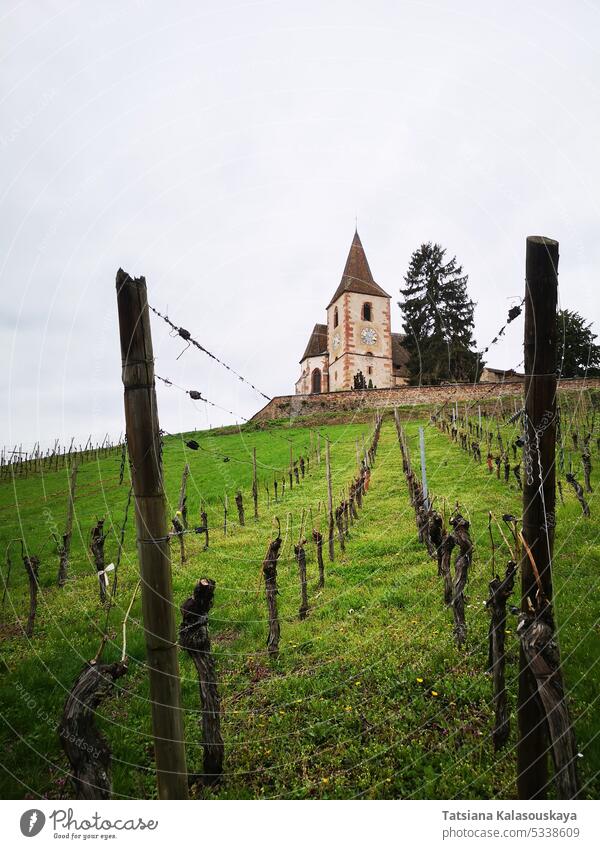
pixel 400 355
pixel 317 344
pixel 357 275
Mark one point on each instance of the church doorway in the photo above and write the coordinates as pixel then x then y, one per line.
pixel 315 387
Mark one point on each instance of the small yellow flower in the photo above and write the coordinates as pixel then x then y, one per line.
pixel 282 712
pixel 433 693
pixel 348 708
pixel 357 683
pixel 325 780
pixel 419 680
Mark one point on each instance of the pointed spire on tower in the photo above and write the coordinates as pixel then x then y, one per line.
pixel 357 275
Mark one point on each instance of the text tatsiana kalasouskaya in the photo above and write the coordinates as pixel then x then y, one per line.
pixel 552 816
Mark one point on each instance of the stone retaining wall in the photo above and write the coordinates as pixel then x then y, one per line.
pixel 291 406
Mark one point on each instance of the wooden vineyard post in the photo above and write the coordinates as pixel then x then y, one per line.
pixel 143 440
pixel 329 499
pixel 541 705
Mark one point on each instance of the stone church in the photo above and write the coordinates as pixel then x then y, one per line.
pixel 357 339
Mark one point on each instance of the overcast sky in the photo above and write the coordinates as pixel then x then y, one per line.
pixel 223 150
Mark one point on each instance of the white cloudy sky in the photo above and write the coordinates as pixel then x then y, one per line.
pixel 223 150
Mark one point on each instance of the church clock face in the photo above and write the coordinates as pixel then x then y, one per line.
pixel 336 341
pixel 368 336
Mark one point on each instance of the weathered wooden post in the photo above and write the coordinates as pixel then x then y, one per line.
pixel 541 701
pixel 143 440
pixel 329 499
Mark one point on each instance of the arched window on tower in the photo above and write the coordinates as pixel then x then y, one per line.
pixel 335 317
pixel 315 383
pixel 366 311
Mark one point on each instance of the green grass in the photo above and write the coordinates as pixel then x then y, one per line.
pixel 343 712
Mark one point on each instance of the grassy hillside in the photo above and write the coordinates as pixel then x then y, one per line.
pixel 369 696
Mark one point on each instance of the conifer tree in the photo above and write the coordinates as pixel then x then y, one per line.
pixel 576 354
pixel 438 319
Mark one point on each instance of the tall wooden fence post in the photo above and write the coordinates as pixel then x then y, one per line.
pixel 143 440
pixel 541 706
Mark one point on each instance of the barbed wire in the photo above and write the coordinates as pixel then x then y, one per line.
pixel 198 396
pixel 187 337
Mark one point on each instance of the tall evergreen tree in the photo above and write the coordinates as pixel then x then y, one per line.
pixel 438 319
pixel 576 353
